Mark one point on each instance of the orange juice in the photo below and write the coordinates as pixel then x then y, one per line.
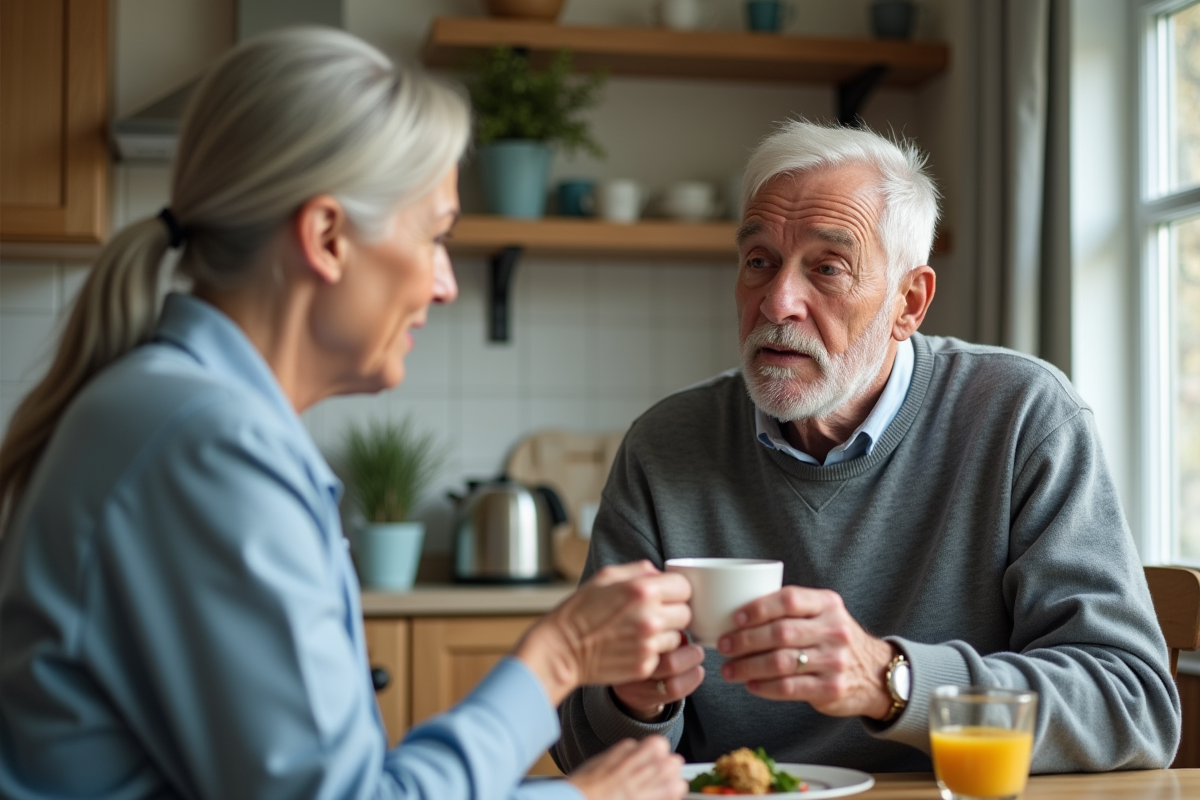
pixel 982 761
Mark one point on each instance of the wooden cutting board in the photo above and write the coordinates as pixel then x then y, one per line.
pixel 576 466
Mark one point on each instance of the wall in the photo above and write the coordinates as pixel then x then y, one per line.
pixel 595 343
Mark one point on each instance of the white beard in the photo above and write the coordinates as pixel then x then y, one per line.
pixel 780 392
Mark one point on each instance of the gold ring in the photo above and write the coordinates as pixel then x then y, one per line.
pixel 801 660
pixel 661 687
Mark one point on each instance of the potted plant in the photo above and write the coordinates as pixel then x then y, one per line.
pixel 388 466
pixel 520 114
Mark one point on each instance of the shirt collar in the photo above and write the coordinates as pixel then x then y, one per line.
pixel 862 441
pixel 218 344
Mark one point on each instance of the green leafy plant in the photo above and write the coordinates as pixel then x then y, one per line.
pixel 514 101
pixel 388 466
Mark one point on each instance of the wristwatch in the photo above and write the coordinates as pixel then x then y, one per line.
pixel 899 685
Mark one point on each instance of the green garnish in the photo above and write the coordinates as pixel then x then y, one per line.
pixel 780 781
pixel 705 779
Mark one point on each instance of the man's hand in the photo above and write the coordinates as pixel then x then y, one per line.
pixel 677 675
pixel 843 670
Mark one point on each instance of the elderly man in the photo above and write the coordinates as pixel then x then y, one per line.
pixel 943 510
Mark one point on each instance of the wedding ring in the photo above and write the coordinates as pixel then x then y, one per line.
pixel 661 687
pixel 801 660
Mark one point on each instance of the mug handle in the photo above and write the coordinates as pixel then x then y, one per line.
pixel 587 202
pixel 788 16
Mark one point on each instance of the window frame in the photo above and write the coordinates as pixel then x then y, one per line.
pixel 1156 208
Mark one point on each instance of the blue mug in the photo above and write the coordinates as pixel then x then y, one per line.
pixel 575 198
pixel 767 16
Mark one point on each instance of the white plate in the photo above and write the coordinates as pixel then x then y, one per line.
pixel 822 782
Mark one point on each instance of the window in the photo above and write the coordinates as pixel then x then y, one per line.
pixel 1169 206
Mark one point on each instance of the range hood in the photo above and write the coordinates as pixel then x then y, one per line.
pixel 151 133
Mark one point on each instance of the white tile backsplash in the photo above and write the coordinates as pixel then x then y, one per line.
pixel 27 342
pixel 28 287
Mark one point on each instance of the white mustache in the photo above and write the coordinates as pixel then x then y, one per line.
pixel 786 337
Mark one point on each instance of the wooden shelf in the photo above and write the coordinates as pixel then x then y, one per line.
pixel 655 52
pixel 569 236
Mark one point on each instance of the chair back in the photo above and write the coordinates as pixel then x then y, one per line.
pixel 1176 595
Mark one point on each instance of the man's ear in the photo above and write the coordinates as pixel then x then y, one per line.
pixel 321 229
pixel 916 293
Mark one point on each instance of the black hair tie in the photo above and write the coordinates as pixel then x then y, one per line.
pixel 174 229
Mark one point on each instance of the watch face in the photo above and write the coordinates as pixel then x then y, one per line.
pixel 902 680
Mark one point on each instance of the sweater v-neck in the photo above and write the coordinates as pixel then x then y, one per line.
pixel 892 436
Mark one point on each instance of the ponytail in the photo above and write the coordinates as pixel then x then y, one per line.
pixel 115 312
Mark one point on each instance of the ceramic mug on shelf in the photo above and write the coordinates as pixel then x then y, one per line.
pixel 683 15
pixel 690 201
pixel 768 16
pixel 620 200
pixel 576 197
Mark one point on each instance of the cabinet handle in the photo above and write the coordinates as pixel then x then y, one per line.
pixel 380 678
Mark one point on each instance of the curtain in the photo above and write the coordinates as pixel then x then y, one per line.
pixel 1017 153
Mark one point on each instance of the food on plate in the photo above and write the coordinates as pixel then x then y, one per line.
pixel 746 771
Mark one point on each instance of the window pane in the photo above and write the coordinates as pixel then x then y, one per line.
pixel 1184 151
pixel 1186 240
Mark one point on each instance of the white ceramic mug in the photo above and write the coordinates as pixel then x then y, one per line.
pixel 690 201
pixel 683 15
pixel 620 200
pixel 720 586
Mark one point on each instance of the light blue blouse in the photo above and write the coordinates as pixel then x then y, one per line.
pixel 179 616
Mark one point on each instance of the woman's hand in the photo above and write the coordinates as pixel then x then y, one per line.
pixel 629 770
pixel 611 630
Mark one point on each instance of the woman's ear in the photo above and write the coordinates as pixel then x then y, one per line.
pixel 322 229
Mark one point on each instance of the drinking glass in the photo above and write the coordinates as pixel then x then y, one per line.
pixel 981 739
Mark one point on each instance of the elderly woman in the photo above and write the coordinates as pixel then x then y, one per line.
pixel 178 612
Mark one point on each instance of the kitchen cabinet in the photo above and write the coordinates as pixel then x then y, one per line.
pixel 53 111
pixel 433 662
pixel 436 642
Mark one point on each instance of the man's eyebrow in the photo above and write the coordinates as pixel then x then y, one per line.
pixel 747 230
pixel 837 236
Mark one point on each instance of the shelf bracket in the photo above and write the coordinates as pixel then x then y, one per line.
pixel 501 268
pixel 852 93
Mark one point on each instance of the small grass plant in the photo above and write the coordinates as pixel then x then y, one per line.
pixel 389 465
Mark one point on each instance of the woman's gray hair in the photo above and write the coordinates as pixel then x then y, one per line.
pixel 279 119
pixel 297 113
pixel 910 198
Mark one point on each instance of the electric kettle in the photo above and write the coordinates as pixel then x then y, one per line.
pixel 503 532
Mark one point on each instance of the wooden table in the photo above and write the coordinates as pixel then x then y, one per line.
pixel 1158 784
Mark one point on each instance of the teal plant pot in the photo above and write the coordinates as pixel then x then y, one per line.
pixel 387 554
pixel 515 173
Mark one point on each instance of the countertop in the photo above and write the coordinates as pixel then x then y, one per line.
pixel 455 599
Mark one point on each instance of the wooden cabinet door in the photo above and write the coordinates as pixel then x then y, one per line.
pixel 53 118
pixel 387 649
pixel 451 654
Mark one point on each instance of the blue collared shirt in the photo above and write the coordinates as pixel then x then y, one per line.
pixel 862 441
pixel 180 616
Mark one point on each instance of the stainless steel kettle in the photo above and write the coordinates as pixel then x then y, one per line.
pixel 504 533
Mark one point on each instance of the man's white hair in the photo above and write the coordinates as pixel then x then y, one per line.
pixel 910 198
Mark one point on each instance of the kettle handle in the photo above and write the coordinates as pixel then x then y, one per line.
pixel 558 513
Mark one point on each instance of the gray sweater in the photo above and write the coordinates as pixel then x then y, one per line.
pixel 983 535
